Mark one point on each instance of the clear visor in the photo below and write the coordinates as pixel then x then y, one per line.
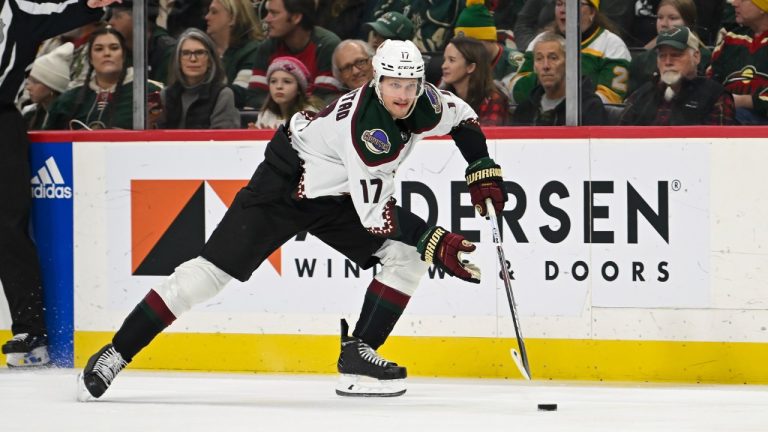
pixel 405 88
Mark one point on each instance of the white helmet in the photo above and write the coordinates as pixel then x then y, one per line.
pixel 398 59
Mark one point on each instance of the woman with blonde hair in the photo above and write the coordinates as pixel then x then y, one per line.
pixel 234 28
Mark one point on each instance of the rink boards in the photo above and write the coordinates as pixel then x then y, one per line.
pixel 636 255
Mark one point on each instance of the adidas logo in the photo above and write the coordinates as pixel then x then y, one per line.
pixel 48 183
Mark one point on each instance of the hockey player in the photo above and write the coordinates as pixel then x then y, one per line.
pixel 332 174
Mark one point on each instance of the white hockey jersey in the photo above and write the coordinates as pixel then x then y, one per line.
pixel 354 147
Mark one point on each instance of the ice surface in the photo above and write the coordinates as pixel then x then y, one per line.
pixel 189 402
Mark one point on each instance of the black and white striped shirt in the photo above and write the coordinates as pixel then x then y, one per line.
pixel 24 24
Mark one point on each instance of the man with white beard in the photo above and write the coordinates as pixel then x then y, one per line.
pixel 676 96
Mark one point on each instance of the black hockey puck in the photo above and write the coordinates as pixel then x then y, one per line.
pixel 547 407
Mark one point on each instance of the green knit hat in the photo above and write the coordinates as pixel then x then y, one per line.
pixel 476 21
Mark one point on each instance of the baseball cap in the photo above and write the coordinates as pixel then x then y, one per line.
pixel 678 37
pixel 392 25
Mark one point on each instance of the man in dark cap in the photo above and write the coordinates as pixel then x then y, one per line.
pixel 677 96
pixel 391 25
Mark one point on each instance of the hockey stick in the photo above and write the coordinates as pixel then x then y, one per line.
pixel 520 359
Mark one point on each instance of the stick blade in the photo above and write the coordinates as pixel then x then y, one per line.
pixel 519 363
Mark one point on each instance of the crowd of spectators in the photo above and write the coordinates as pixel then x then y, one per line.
pixel 253 63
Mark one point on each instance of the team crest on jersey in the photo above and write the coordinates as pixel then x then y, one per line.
pixel 746 79
pixel 434 98
pixel 516 58
pixel 376 141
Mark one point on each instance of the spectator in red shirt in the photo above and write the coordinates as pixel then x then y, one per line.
pixel 740 61
pixel 291 31
pixel 467 73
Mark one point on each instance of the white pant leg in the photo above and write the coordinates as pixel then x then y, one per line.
pixel 193 282
pixel 402 267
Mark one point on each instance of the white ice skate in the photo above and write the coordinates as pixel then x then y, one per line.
pixel 26 351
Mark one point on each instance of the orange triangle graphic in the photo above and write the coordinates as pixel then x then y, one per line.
pixel 226 191
pixel 276 261
pixel 154 206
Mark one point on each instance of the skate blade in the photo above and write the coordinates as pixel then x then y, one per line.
pixel 37 358
pixel 361 386
pixel 82 395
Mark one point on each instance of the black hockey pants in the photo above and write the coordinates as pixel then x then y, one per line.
pixel 265 214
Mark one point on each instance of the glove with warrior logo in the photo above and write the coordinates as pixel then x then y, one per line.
pixel 484 181
pixel 444 249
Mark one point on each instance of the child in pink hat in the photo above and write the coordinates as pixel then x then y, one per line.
pixel 288 79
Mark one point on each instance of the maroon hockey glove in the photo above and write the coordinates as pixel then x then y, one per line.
pixel 484 181
pixel 443 249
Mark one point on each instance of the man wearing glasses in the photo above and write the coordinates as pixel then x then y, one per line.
pixel 352 63
pixel 291 31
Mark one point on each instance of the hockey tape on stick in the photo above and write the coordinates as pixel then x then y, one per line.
pixel 521 358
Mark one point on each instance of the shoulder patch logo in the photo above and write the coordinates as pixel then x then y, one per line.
pixel 376 141
pixel 434 99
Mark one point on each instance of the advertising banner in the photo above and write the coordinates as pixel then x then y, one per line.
pixel 601 223
pixel 650 217
pixel 52 189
